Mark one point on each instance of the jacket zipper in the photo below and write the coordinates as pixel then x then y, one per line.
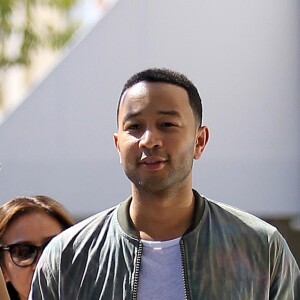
pixel 137 271
pixel 187 295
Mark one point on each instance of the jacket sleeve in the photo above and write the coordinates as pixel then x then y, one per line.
pixel 285 274
pixel 45 285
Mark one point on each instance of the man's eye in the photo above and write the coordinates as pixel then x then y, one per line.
pixel 133 127
pixel 168 124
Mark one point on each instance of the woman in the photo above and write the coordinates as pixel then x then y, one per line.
pixel 3 290
pixel 27 224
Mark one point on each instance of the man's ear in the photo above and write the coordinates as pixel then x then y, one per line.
pixel 116 142
pixel 201 141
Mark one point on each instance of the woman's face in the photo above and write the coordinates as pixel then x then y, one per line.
pixel 34 228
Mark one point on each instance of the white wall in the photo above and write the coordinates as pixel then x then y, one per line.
pixel 242 55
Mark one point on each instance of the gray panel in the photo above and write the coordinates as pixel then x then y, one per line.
pixel 243 56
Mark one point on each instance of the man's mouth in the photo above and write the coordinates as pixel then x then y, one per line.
pixel 153 163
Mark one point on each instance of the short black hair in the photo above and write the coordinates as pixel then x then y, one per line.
pixel 167 76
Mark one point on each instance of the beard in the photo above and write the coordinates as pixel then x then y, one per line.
pixel 173 175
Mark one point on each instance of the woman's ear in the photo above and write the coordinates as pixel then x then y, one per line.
pixel 4 274
pixel 202 137
pixel 3 290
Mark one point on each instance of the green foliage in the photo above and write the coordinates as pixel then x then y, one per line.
pixel 35 33
pixel 63 4
pixel 21 22
pixel 5 13
pixel 57 40
pixel 6 7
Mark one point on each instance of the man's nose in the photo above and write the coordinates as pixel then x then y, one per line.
pixel 150 139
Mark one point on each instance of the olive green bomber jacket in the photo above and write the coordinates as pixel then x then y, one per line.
pixel 226 254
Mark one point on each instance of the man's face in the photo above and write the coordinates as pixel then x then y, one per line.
pixel 158 137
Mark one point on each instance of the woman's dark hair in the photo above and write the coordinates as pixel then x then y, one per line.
pixel 20 206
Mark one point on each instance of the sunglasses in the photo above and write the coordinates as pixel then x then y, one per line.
pixel 24 254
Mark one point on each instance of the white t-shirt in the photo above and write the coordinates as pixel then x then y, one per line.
pixel 161 271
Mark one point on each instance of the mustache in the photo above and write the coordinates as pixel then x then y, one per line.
pixel 152 156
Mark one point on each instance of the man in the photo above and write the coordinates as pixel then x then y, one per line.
pixel 166 241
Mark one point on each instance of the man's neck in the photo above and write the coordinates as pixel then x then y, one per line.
pixel 163 216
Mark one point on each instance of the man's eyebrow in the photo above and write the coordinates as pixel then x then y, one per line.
pixel 169 112
pixel 132 115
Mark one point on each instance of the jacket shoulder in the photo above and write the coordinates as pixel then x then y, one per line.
pixel 225 214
